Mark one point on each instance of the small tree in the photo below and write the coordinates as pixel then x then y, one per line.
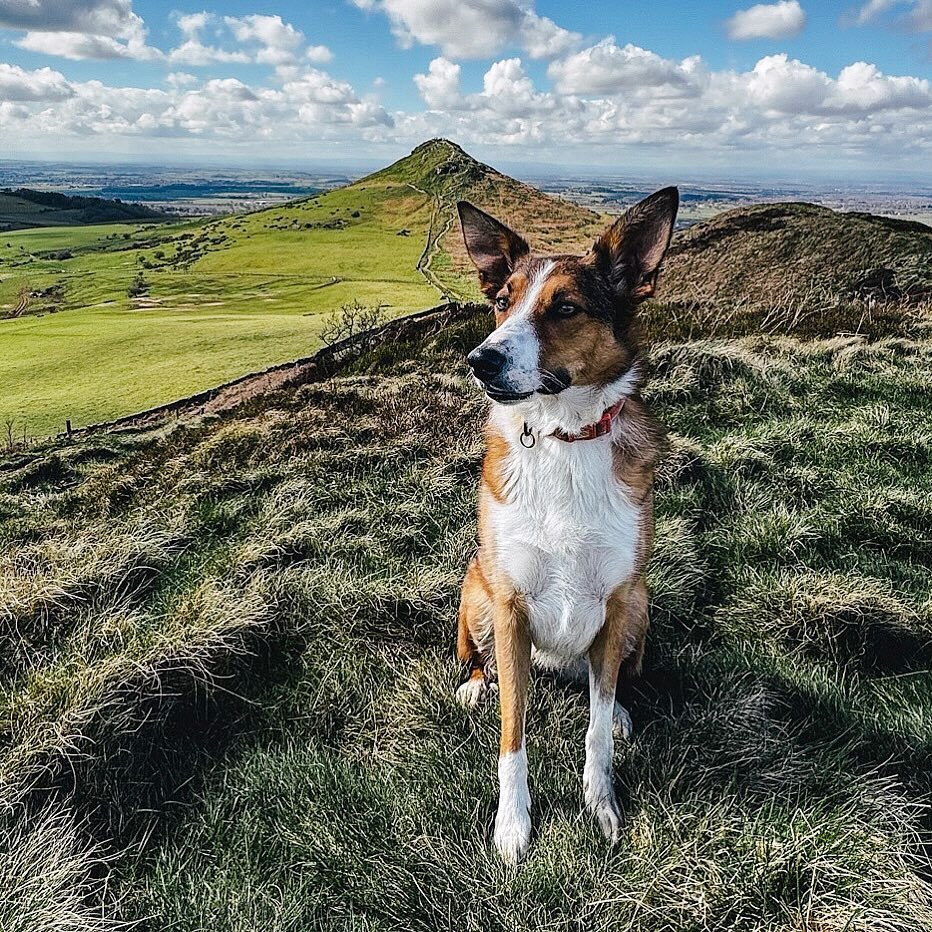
pixel 351 320
pixel 138 287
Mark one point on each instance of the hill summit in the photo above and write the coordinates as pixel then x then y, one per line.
pixel 444 172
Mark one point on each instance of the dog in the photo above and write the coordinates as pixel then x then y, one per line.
pixel 566 493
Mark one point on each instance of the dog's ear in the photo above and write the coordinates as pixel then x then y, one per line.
pixel 630 251
pixel 493 248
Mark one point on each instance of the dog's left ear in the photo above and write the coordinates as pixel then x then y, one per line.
pixel 493 247
pixel 630 251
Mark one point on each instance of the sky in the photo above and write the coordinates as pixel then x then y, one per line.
pixel 784 89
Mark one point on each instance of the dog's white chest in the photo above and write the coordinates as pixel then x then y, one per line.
pixel 566 536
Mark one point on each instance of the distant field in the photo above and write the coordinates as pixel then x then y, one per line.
pixel 225 297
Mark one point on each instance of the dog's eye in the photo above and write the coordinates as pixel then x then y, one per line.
pixel 566 309
pixel 501 303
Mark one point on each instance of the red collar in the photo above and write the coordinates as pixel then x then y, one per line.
pixel 600 428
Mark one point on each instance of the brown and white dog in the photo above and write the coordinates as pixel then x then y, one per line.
pixel 565 502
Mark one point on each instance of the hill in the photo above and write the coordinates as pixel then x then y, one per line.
pixel 23 208
pixel 228 665
pixel 801 268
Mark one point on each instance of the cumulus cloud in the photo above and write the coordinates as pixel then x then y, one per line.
pixel 607 69
pixel 279 40
pixel 193 51
pixel 473 28
pixel 259 38
pixel 313 105
pixel 318 54
pixel 79 29
pixel 113 18
pixel 440 87
pixel 79 46
pixel 768 21
pixel 181 79
pixel 43 84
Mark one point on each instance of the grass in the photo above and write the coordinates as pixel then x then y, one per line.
pixel 228 662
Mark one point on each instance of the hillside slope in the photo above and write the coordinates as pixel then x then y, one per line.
pixel 791 264
pixel 447 174
pixel 235 294
pixel 228 674
pixel 23 208
pixel 214 300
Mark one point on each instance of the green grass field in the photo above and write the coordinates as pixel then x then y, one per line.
pixel 228 667
pixel 225 297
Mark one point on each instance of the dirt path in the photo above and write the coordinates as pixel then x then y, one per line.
pixel 433 242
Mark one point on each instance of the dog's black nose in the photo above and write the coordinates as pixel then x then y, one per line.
pixel 486 362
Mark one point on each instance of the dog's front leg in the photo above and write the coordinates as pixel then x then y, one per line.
pixel 513 659
pixel 605 656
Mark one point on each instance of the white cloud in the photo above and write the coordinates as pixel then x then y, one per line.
pixel 194 52
pixel 918 19
pixel 473 28
pixel 258 38
pixel 181 79
pixel 440 87
pixel 43 84
pixel 768 21
pixel 79 46
pixel 318 54
pixel 114 18
pixel 192 24
pixel 79 29
pixel 862 89
pixel 787 86
pixel 312 106
pixel 873 9
pixel 543 38
pixel 605 68
pixel 279 40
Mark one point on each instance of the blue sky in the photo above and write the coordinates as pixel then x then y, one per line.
pixel 786 87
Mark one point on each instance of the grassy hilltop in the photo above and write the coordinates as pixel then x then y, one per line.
pixel 228 664
pixel 799 267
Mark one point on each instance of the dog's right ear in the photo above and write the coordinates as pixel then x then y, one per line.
pixel 493 248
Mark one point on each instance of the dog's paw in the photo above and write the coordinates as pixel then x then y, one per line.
pixel 512 834
pixel 473 691
pixel 621 722
pixel 606 811
pixel 601 801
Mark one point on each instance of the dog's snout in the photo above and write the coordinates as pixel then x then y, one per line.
pixel 487 362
